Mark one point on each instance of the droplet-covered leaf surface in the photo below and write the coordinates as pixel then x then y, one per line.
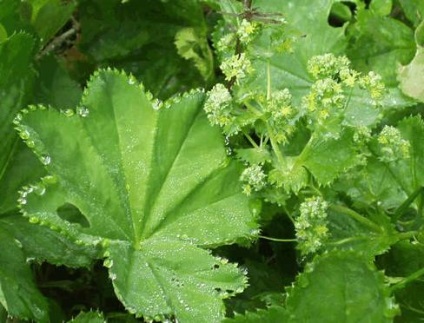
pixel 340 287
pixel 154 185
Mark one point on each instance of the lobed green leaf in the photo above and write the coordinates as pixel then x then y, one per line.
pixel 340 287
pixel 152 185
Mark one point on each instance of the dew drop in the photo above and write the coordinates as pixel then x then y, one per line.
pixel 18 243
pixel 105 243
pixel 255 232
pixel 22 201
pixel 29 260
pixel 68 112
pixel 157 104
pixel 108 263
pixel 223 261
pixel 45 159
pixel 34 220
pixel 83 111
pixel 49 179
pixel 30 143
pixel 18 118
pixel 24 134
pixel 40 190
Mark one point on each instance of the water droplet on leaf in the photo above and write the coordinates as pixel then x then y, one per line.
pixel 30 143
pixel 108 263
pixel 34 220
pixel 68 112
pixel 83 111
pixel 18 243
pixel 24 134
pixel 49 179
pixel 40 189
pixel 45 159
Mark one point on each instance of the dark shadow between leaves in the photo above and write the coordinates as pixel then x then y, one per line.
pixel 72 214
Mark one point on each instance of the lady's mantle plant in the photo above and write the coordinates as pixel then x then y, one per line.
pixel 152 187
pixel 302 129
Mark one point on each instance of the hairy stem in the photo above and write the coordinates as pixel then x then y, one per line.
pixel 407 280
pixel 356 216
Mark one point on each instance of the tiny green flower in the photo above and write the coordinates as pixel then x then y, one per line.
pixel 254 178
pixel 226 42
pixel 218 106
pixel 237 66
pixel 327 65
pixel 246 31
pixel 374 84
pixel 392 146
pixel 311 225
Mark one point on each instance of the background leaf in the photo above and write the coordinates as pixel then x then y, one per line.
pixel 349 290
pixel 148 50
pixel 20 297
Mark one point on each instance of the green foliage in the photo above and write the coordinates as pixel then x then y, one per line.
pixel 334 279
pixel 159 204
pixel 211 161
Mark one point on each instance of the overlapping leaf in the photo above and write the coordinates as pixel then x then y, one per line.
pixel 148 48
pixel 152 185
pixel 390 184
pixel 340 287
pixel 18 293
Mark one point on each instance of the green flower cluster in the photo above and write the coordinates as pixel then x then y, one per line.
pixel 276 112
pixel 283 136
pixel 311 225
pixel 218 106
pixel 247 31
pixel 237 67
pixel 330 94
pixel 254 179
pixel 392 146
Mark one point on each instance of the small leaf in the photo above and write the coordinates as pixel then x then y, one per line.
pixel 42 244
pixel 411 76
pixel 89 317
pixel 18 293
pixel 253 156
pixel 340 287
pixel 315 157
pixel 193 47
pixel 153 191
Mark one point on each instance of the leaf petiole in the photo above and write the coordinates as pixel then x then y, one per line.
pixel 361 219
pixel 277 239
pixel 401 284
pixel 402 208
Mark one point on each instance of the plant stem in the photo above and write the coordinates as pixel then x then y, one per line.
pixel 407 280
pixel 250 140
pixel 274 144
pixel 277 239
pixel 361 219
pixel 407 235
pixel 268 81
pixel 347 240
pixel 404 206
